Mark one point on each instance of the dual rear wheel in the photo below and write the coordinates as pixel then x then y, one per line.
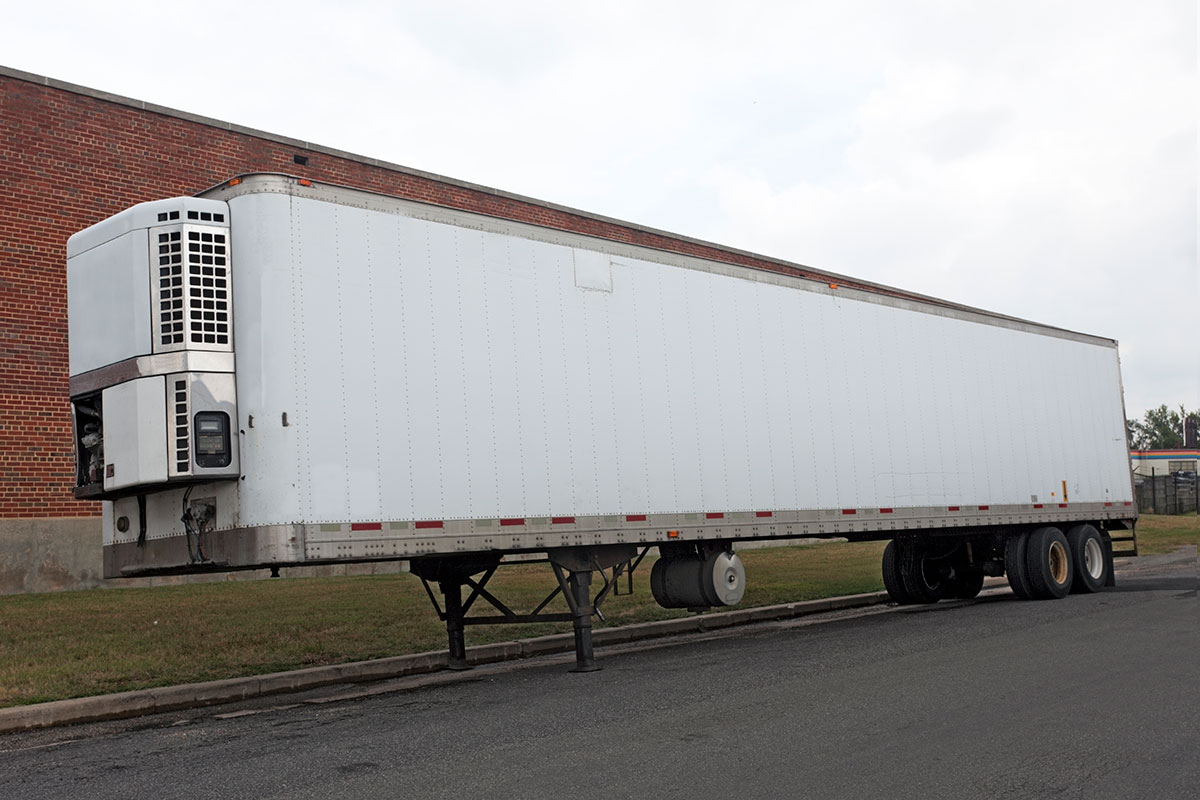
pixel 1047 564
pixel 1089 557
pixel 1042 564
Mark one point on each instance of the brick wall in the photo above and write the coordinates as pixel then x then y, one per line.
pixel 72 157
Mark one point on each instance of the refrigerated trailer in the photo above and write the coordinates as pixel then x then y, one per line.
pixel 279 372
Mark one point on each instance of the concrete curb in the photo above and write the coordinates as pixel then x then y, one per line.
pixel 195 695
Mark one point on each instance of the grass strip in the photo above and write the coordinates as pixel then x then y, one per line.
pixel 1158 534
pixel 74 644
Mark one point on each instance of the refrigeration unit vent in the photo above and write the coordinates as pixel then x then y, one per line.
pixel 208 288
pixel 183 450
pixel 170 288
pixel 205 216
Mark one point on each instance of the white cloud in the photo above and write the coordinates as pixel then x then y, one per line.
pixel 1065 195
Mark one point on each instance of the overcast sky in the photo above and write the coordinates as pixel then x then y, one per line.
pixel 1032 158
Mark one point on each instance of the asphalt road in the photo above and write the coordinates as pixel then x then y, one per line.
pixel 1093 696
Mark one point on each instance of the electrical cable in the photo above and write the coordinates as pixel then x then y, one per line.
pixel 196 555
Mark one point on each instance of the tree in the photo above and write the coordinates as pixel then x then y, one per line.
pixel 1160 429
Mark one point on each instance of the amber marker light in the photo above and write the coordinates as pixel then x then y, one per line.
pixel 672 534
pixel 304 182
pixel 234 181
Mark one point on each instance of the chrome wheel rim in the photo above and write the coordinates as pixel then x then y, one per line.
pixel 1093 558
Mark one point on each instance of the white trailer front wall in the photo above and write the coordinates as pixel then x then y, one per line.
pixel 432 371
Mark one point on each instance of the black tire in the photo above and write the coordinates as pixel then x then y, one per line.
pixel 1048 560
pixel 1087 557
pixel 967 584
pixel 1014 566
pixel 922 578
pixel 891 575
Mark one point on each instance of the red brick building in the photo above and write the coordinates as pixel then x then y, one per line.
pixel 72 156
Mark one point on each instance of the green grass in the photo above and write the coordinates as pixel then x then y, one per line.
pixel 74 644
pixel 1157 534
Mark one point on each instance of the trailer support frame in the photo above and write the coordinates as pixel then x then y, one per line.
pixel 573 568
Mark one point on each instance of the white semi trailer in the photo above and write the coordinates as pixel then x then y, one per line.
pixel 280 373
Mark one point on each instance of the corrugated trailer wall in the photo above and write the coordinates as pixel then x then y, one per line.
pixel 440 366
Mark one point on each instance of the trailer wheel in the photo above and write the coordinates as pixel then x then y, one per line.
pixel 1048 561
pixel 967 584
pixel 1087 556
pixel 1014 566
pixel 925 579
pixel 891 575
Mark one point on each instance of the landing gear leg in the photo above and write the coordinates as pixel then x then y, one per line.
pixel 579 596
pixel 455 629
pixel 573 566
pixel 450 575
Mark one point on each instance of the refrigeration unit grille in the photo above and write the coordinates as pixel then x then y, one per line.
pixel 208 288
pixel 170 288
pixel 183 450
